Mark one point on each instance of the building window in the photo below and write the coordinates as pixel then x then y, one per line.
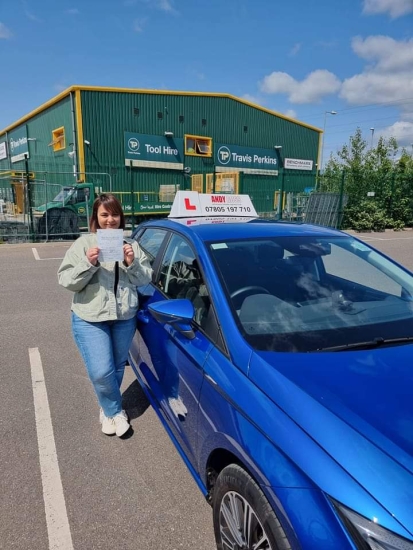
pixel 198 146
pixel 58 139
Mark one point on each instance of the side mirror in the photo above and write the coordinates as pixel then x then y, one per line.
pixel 177 313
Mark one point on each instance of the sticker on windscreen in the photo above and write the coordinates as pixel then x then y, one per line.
pixel 360 246
pixel 216 246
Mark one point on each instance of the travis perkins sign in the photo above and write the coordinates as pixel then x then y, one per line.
pixel 246 159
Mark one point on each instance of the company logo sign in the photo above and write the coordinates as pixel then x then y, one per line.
pixel 249 158
pixel 157 150
pixel 16 144
pixel 298 164
pixel 133 146
pixel 227 199
pixel 224 154
pixel 3 150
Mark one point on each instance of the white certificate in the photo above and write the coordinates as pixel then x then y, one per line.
pixel 110 244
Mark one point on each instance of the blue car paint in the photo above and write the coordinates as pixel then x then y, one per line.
pixel 301 436
pixel 161 415
pixel 169 348
pixel 359 418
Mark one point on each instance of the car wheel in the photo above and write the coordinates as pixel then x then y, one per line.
pixel 243 517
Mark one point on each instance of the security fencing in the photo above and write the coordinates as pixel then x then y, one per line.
pixel 33 206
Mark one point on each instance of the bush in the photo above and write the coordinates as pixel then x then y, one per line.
pixel 398 225
pixel 368 216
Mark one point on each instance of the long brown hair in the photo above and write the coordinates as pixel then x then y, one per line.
pixel 112 205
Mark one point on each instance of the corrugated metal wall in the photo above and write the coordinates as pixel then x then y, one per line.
pixel 107 115
pixel 39 131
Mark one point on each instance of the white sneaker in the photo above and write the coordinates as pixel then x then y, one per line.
pixel 108 426
pixel 121 423
pixel 101 415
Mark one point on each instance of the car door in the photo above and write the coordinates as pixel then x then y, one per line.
pixel 172 364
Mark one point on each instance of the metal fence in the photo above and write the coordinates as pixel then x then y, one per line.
pixel 26 207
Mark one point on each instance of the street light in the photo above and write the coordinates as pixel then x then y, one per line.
pixel 280 198
pixel 324 130
pixel 372 134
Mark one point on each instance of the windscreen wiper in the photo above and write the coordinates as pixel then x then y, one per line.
pixel 370 344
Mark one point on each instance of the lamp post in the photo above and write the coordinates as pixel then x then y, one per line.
pixel 281 197
pixel 372 134
pixel 324 130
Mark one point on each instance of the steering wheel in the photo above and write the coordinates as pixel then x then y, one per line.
pixel 248 290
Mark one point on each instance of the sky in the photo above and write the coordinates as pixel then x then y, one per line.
pixel 299 58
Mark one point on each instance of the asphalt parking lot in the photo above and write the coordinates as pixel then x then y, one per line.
pixel 64 484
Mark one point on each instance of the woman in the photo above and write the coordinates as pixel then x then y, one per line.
pixel 104 308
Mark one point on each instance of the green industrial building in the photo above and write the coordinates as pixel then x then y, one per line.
pixel 149 142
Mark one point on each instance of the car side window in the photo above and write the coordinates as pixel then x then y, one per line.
pixel 151 241
pixel 180 277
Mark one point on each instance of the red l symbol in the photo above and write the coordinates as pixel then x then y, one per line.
pixel 189 206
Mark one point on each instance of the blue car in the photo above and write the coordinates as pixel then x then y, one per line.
pixel 279 359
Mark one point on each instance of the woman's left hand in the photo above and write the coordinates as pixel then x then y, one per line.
pixel 128 254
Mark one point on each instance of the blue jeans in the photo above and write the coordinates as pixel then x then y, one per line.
pixel 104 347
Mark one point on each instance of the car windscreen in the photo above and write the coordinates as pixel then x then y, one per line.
pixel 65 193
pixel 305 293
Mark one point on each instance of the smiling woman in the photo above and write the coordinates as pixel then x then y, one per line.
pixel 104 306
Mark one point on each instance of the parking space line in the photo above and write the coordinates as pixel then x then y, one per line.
pixel 58 528
pixel 37 257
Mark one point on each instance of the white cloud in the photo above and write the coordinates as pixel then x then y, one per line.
pixel 72 11
pixel 290 113
pixel 295 49
pixel 60 87
pixel 389 54
pixel 33 17
pixel 138 25
pixel 389 75
pixel 402 131
pixel 312 89
pixel 395 8
pixel 4 31
pixel 165 5
pixel 252 99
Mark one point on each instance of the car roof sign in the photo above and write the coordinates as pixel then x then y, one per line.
pixel 191 204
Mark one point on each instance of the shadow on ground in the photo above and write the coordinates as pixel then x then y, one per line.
pixel 134 401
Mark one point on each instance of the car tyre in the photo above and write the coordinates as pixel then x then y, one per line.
pixel 243 516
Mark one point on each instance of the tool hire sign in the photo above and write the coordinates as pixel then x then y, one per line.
pixel 191 204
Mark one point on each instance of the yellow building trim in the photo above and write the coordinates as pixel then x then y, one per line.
pixel 77 88
pixel 79 134
pixel 40 109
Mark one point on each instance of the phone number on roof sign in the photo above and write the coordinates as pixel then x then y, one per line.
pixel 229 209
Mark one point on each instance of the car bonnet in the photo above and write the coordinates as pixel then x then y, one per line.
pixel 358 407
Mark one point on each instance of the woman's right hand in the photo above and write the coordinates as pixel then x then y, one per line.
pixel 92 255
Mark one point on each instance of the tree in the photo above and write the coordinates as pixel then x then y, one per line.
pixel 384 170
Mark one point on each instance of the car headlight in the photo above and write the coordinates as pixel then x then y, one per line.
pixel 369 535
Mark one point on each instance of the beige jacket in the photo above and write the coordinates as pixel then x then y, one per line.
pixel 94 298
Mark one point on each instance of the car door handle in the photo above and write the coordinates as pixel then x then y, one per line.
pixel 210 379
pixel 141 315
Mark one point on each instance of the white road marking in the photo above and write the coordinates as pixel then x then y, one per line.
pixel 58 528
pixel 37 257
